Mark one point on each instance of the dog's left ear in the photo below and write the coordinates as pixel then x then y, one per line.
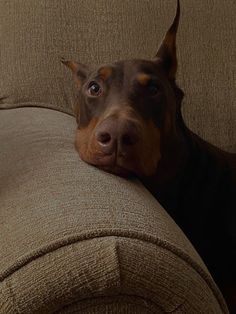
pixel 79 70
pixel 166 53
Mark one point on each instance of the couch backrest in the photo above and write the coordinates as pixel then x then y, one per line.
pixel 35 34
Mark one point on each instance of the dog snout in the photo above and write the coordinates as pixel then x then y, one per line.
pixel 116 136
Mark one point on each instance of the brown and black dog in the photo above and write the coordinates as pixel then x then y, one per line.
pixel 130 123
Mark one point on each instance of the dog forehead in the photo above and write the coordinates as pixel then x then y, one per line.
pixel 134 67
pixel 127 69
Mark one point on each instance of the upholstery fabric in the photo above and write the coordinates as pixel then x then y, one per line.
pixel 76 240
pixel 36 34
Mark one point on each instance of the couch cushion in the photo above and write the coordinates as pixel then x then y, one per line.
pixel 35 34
pixel 70 232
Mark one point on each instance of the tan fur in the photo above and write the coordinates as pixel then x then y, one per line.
pixel 105 72
pixel 143 78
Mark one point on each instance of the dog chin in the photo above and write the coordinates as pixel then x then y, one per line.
pixel 117 170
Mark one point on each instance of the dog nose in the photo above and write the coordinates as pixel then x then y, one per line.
pixel 118 135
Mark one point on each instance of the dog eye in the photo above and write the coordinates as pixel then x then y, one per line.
pixel 153 88
pixel 94 89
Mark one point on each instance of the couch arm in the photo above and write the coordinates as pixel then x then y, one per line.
pixel 74 239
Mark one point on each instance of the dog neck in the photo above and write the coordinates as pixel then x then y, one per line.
pixel 187 163
pixel 174 158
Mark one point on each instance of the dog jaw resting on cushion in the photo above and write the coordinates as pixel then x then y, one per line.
pixel 130 123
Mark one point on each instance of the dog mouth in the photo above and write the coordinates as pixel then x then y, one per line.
pixel 117 165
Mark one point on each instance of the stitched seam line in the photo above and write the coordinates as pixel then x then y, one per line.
pixel 3 106
pixel 119 233
pixel 120 294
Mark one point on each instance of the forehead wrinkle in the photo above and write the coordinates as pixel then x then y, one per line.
pixel 118 73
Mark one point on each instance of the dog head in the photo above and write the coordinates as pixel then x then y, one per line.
pixel 126 110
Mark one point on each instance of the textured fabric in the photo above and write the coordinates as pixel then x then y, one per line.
pixel 35 34
pixel 114 305
pixel 73 237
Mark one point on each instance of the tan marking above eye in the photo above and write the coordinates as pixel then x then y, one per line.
pixel 105 72
pixel 143 78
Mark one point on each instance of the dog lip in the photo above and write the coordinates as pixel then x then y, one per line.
pixel 111 163
pixel 105 160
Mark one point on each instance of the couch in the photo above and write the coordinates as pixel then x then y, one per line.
pixel 74 239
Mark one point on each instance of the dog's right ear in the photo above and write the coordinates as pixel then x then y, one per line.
pixel 79 70
pixel 166 53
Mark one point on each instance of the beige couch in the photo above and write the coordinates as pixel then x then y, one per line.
pixel 74 239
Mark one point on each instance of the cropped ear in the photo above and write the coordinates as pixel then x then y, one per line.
pixel 166 53
pixel 79 70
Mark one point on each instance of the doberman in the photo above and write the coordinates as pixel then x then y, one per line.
pixel 130 123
